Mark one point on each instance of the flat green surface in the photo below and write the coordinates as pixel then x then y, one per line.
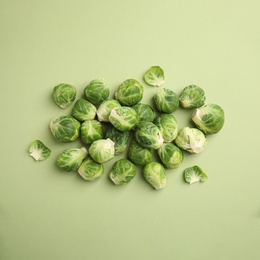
pixel 48 214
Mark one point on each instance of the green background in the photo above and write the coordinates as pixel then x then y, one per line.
pixel 48 214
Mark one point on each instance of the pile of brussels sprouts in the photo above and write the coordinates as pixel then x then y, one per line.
pixel 123 124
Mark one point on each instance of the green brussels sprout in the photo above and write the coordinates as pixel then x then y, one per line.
pixel 144 112
pixel 194 174
pixel 97 91
pixel 154 76
pixel 166 101
pixel 84 110
pixel 90 131
pixel 170 155
pixel 129 93
pixel 118 137
pixel 167 124
pixel 102 150
pixel 191 139
pixel 148 135
pixel 90 170
pixel 65 128
pixel 123 118
pixel 139 155
pixel 155 175
pixel 71 159
pixel 64 94
pixel 192 96
pixel 210 118
pixel 122 172
pixel 105 108
pixel 39 151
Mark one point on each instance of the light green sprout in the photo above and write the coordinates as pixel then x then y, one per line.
pixel 105 108
pixel 90 131
pixel 129 93
pixel 194 174
pixel 166 101
pixel 192 96
pixel 154 76
pixel 191 139
pixel 122 172
pixel 97 91
pixel 102 150
pixel 155 175
pixel 90 170
pixel 84 110
pixel 168 125
pixel 65 128
pixel 71 159
pixel 170 155
pixel 209 118
pixel 64 94
pixel 39 151
pixel 144 112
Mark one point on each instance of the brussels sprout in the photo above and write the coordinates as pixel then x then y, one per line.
pixel 90 170
pixel 129 93
pixel 71 159
pixel 154 76
pixel 123 118
pixel 97 91
pixel 139 155
pixel 148 135
pixel 102 150
pixel 210 118
pixel 65 128
pixel 154 174
pixel 166 101
pixel 192 96
pixel 64 94
pixel 144 112
pixel 167 124
pixel 105 108
pixel 191 139
pixel 170 155
pixel 84 110
pixel 122 172
pixel 194 174
pixel 39 151
pixel 118 137
pixel 90 131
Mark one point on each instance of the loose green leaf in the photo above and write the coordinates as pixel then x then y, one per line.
pixel 39 151
pixel 154 76
pixel 194 174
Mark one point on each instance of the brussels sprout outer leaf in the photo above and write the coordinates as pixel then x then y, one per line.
pixel 194 174
pixel 154 76
pixel 39 151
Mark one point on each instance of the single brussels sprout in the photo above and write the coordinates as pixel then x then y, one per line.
pixel 123 118
pixel 154 76
pixel 90 170
pixel 139 155
pixel 167 124
pixel 166 101
pixel 192 96
pixel 194 174
pixel 102 150
pixel 144 112
pixel 90 131
pixel 154 174
pixel 39 151
pixel 105 108
pixel 210 118
pixel 129 93
pixel 71 159
pixel 118 137
pixel 148 135
pixel 65 128
pixel 191 139
pixel 64 94
pixel 84 110
pixel 122 172
pixel 97 91
pixel 170 155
